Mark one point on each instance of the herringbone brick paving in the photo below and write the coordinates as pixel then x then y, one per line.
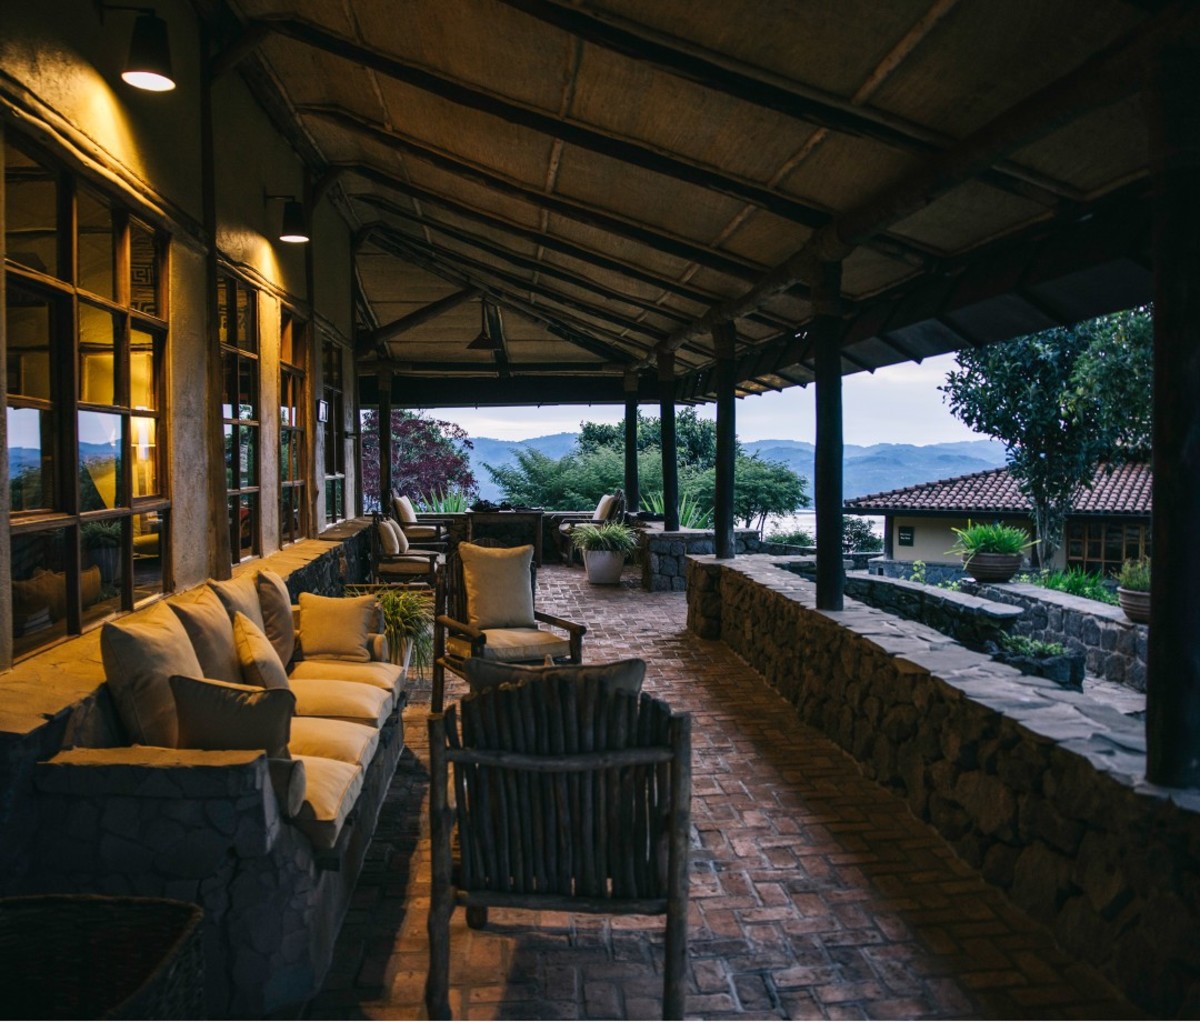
pixel 814 892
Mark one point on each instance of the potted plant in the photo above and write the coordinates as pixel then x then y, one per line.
pixel 408 625
pixel 604 548
pixel 991 552
pixel 102 540
pixel 1133 590
pixel 1050 660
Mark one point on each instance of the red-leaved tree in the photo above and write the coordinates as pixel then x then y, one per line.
pixel 428 455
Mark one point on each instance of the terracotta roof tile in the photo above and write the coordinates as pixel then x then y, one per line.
pixel 1123 491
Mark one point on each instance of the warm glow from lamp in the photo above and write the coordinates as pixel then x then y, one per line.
pixel 149 63
pixel 293 230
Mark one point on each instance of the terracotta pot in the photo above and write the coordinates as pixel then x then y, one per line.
pixel 1135 603
pixel 984 567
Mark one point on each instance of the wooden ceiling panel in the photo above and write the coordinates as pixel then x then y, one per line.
pixel 321 78
pixel 843 171
pixel 766 239
pixel 968 216
pixel 320 12
pixel 628 252
pixel 867 272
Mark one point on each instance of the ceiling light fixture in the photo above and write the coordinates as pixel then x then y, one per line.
pixel 149 64
pixel 485 341
pixel 293 228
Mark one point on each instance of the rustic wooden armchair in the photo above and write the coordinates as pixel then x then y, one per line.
pixel 585 811
pixel 610 508
pixel 485 608
pixel 392 560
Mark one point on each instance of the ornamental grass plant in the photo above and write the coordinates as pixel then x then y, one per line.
pixel 612 536
pixel 990 538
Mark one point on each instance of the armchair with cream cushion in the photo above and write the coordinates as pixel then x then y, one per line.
pixel 394 560
pixel 609 508
pixel 486 609
pixel 428 533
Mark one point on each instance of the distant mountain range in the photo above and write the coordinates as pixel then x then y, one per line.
pixel 865 469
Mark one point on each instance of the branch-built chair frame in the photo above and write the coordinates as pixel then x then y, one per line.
pixel 611 508
pixel 570 797
pixel 456 638
pixel 410 566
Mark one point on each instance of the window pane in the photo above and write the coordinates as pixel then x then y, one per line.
pixel 143 270
pixel 1112 544
pixel 286 472
pixel 145 456
pixel 39 589
pixel 287 353
pixel 142 390
pixel 97 332
pixel 29 323
pixel 100 445
pixel 247 456
pixel 103 546
pixel 229 386
pixel 246 539
pixel 96 258
pixel 148 539
pixel 31 459
pixel 230 460
pixel 247 389
pixel 30 212
pixel 247 326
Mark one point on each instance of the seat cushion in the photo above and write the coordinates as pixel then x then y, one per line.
pixel 412 565
pixel 332 788
pixel 276 604
pixel 219 715
pixel 342 700
pixel 342 740
pixel 260 663
pixel 497 584
pixel 381 674
pixel 514 644
pixel 140 655
pixel 210 629
pixel 240 593
pixel 421 533
pixel 622 675
pixel 333 628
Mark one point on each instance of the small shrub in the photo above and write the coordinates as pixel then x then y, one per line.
pixel 797 538
pixel 691 514
pixel 1022 645
pixel 443 501
pixel 1135 575
pixel 609 536
pixel 954 585
pixel 990 538
pixel 1088 584
pixel 918 573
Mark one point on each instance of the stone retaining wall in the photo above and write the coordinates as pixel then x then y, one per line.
pixel 1040 789
pixel 664 555
pixel 1115 647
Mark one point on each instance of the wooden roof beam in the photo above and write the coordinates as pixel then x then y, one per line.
pixel 392 330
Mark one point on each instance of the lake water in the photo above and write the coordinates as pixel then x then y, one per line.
pixel 807 521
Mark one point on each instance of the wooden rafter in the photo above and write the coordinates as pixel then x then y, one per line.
pixel 392 330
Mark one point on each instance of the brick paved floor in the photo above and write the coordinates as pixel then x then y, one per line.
pixel 814 893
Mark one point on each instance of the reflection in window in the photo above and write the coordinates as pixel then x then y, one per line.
pixel 145 456
pixel 29 322
pixel 40 590
pixel 292 501
pixel 143 270
pixel 30 212
pixel 97 348
pixel 31 459
pixel 96 255
pixel 238 329
pixel 101 442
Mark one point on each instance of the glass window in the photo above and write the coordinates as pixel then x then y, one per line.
pixel 241 414
pixel 97 355
pixel 292 448
pixel 333 423
pixel 95 252
pixel 30 212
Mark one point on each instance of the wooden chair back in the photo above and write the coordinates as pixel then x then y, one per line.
pixel 452 599
pixel 568 797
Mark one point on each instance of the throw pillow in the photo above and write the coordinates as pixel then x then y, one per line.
pixel 604 507
pixel 207 624
pixel 497 583
pixel 334 628
pixel 388 544
pixel 240 593
pixel 140 654
pixel 219 715
pixel 400 536
pixel 623 675
pixel 406 514
pixel 259 661
pixel 276 605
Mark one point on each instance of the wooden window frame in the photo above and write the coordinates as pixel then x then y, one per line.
pixel 297 372
pixel 234 354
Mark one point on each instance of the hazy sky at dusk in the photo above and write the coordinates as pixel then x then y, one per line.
pixel 899 404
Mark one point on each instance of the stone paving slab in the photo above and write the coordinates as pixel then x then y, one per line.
pixel 814 892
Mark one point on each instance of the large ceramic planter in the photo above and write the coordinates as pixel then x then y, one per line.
pixel 604 566
pixel 984 567
pixel 1135 603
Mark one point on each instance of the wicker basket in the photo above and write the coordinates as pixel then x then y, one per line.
pixel 86 956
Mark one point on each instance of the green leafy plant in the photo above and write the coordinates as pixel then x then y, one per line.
pixel 608 536
pixel 1023 645
pixel 1135 575
pixel 1088 584
pixel 798 538
pixel 691 514
pixel 990 538
pixel 407 619
pixel 857 535
pixel 444 501
pixel 918 573
pixel 97 535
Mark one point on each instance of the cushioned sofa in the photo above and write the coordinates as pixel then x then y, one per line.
pixel 252 747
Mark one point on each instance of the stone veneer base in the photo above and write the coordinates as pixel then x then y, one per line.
pixel 1043 790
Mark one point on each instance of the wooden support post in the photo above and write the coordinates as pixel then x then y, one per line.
pixel 633 498
pixel 724 343
pixel 826 333
pixel 1173 668
pixel 888 542
pixel 670 458
pixel 384 425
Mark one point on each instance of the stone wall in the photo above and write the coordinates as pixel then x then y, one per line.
pixel 934 573
pixel 1114 646
pixel 664 554
pixel 1040 789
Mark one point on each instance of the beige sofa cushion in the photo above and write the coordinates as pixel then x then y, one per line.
pixel 259 662
pixel 514 644
pixel 218 715
pixel 623 675
pixel 392 540
pixel 379 673
pixel 498 588
pixel 342 700
pixel 140 654
pixel 333 628
pixel 240 593
pixel 207 624
pixel 406 514
pixel 276 605
pixel 332 789
pixel 342 740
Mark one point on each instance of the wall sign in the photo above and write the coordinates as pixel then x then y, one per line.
pixel 905 534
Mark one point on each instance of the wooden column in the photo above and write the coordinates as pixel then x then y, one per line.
pixel 633 496
pixel 384 425
pixel 724 342
pixel 889 524
pixel 826 332
pixel 1173 670
pixel 670 457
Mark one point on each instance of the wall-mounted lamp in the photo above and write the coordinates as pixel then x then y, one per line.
pixel 149 63
pixel 293 229
pixel 485 341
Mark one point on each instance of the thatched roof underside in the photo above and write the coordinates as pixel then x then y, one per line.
pixel 615 176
